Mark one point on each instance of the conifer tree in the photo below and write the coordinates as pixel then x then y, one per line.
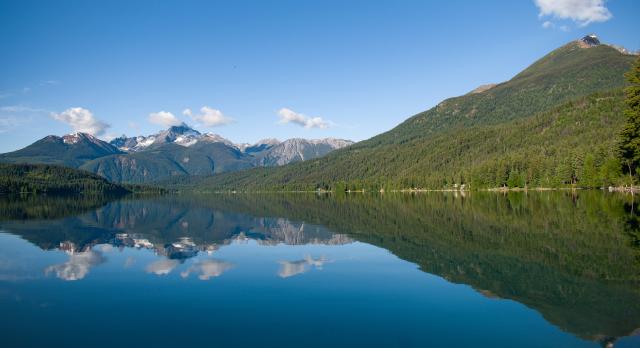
pixel 630 135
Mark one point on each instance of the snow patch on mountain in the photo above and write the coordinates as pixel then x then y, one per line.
pixel 184 135
pixel 266 152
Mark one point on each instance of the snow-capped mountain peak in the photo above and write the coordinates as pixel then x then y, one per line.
pixel 270 151
pixel 74 138
pixel 181 135
pixel 216 138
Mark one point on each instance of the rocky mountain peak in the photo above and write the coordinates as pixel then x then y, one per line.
pixel 590 40
pixel 182 129
pixel 181 134
pixel 216 138
pixel 76 137
pixel 177 133
pixel 269 151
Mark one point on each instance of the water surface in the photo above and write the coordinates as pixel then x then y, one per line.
pixel 395 270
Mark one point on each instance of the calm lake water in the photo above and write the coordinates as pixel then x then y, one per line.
pixel 396 270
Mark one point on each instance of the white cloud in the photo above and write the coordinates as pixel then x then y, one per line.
pixel 583 12
pixel 208 269
pixel 291 268
pixel 290 116
pixel 209 117
pixel 162 267
pixel 164 118
pixel 106 248
pixel 81 120
pixel 78 265
pixel 551 25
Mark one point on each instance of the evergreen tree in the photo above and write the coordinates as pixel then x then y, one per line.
pixel 589 176
pixel 630 135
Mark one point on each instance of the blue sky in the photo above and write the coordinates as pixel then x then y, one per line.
pixel 255 69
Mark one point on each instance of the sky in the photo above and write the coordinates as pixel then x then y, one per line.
pixel 249 70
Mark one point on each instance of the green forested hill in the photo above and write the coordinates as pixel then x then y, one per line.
pixel 553 124
pixel 42 178
pixel 562 75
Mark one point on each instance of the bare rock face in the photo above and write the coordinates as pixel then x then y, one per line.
pixel 295 150
pixel 590 40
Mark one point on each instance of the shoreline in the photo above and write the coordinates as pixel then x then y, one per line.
pixel 618 189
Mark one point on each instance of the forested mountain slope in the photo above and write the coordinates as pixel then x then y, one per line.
pixel 555 123
pixel 566 73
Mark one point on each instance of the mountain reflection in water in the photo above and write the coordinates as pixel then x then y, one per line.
pixel 573 258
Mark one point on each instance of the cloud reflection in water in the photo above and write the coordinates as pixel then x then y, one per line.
pixel 78 265
pixel 162 267
pixel 208 269
pixel 291 268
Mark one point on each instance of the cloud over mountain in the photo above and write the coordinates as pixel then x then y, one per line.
pixel 81 120
pixel 582 12
pixel 164 118
pixel 209 117
pixel 290 116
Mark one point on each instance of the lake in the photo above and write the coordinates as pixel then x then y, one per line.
pixel 545 269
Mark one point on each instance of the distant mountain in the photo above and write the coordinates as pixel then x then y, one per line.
pixel 182 135
pixel 295 150
pixel 176 151
pixel 71 150
pixel 260 146
pixel 553 124
pixel 268 151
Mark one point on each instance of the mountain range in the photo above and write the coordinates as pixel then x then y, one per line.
pixel 554 124
pixel 177 151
